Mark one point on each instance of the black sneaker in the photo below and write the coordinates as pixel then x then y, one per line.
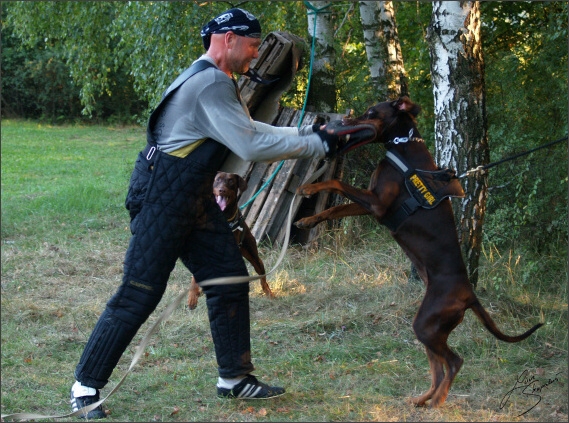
pixel 250 388
pixel 80 402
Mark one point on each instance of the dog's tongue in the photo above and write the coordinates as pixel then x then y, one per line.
pixel 221 202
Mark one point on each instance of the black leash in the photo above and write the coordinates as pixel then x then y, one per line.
pixel 515 156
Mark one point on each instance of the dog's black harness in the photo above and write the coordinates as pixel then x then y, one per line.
pixel 236 224
pixel 426 188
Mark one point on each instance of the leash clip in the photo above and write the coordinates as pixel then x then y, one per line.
pixel 150 153
pixel 400 140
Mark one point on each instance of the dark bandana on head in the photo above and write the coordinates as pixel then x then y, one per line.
pixel 236 20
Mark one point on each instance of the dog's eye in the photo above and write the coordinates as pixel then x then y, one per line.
pixel 371 113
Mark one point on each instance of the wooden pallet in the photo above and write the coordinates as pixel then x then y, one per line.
pixel 279 57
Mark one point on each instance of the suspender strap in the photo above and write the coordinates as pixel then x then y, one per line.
pixel 196 67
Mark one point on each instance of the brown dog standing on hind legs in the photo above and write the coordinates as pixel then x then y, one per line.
pixel 409 194
pixel 227 188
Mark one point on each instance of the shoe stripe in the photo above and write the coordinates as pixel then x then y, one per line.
pixel 245 391
pixel 249 391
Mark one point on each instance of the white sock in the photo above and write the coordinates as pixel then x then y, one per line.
pixel 80 390
pixel 228 383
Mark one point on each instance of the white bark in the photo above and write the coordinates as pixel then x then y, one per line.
pixel 322 95
pixel 457 72
pixel 382 47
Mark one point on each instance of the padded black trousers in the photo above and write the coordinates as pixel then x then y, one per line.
pixel 178 219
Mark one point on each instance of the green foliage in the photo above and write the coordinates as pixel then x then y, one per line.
pixel 35 81
pixel 412 21
pixel 526 82
pixel 79 30
pixel 116 49
pixel 52 65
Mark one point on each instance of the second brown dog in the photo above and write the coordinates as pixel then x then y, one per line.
pixel 227 188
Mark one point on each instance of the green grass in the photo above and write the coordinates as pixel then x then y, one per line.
pixel 338 336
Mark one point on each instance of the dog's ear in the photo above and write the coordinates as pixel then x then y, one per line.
pixel 405 104
pixel 242 183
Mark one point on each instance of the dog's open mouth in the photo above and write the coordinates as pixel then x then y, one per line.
pixel 221 202
pixel 362 137
pixel 355 135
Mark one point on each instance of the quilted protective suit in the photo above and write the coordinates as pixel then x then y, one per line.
pixel 174 215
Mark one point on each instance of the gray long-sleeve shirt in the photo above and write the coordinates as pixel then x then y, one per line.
pixel 207 106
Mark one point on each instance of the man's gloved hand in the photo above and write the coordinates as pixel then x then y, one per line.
pixel 339 137
pixel 330 142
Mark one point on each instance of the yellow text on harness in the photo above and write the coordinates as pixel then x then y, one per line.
pixel 422 189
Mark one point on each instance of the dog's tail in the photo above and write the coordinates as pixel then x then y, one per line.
pixel 491 326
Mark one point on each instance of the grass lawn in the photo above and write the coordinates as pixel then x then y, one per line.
pixel 338 334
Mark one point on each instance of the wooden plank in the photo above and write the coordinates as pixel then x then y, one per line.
pixel 255 178
pixel 282 206
pixel 279 185
pixel 299 169
pixel 301 173
pixel 307 168
pixel 248 87
pixel 272 61
pixel 234 164
pixel 285 117
pixel 322 201
pixel 258 203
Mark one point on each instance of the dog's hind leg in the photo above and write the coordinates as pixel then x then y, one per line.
pixel 435 320
pixel 453 363
pixel 437 376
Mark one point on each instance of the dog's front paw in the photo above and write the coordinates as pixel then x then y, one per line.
pixel 305 223
pixel 192 303
pixel 193 298
pixel 306 190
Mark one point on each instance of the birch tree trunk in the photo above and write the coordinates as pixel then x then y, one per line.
pixel 382 48
pixel 457 72
pixel 322 94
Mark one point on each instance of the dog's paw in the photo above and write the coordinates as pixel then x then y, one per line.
pixel 192 301
pixel 306 190
pixel 305 223
pixel 417 401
